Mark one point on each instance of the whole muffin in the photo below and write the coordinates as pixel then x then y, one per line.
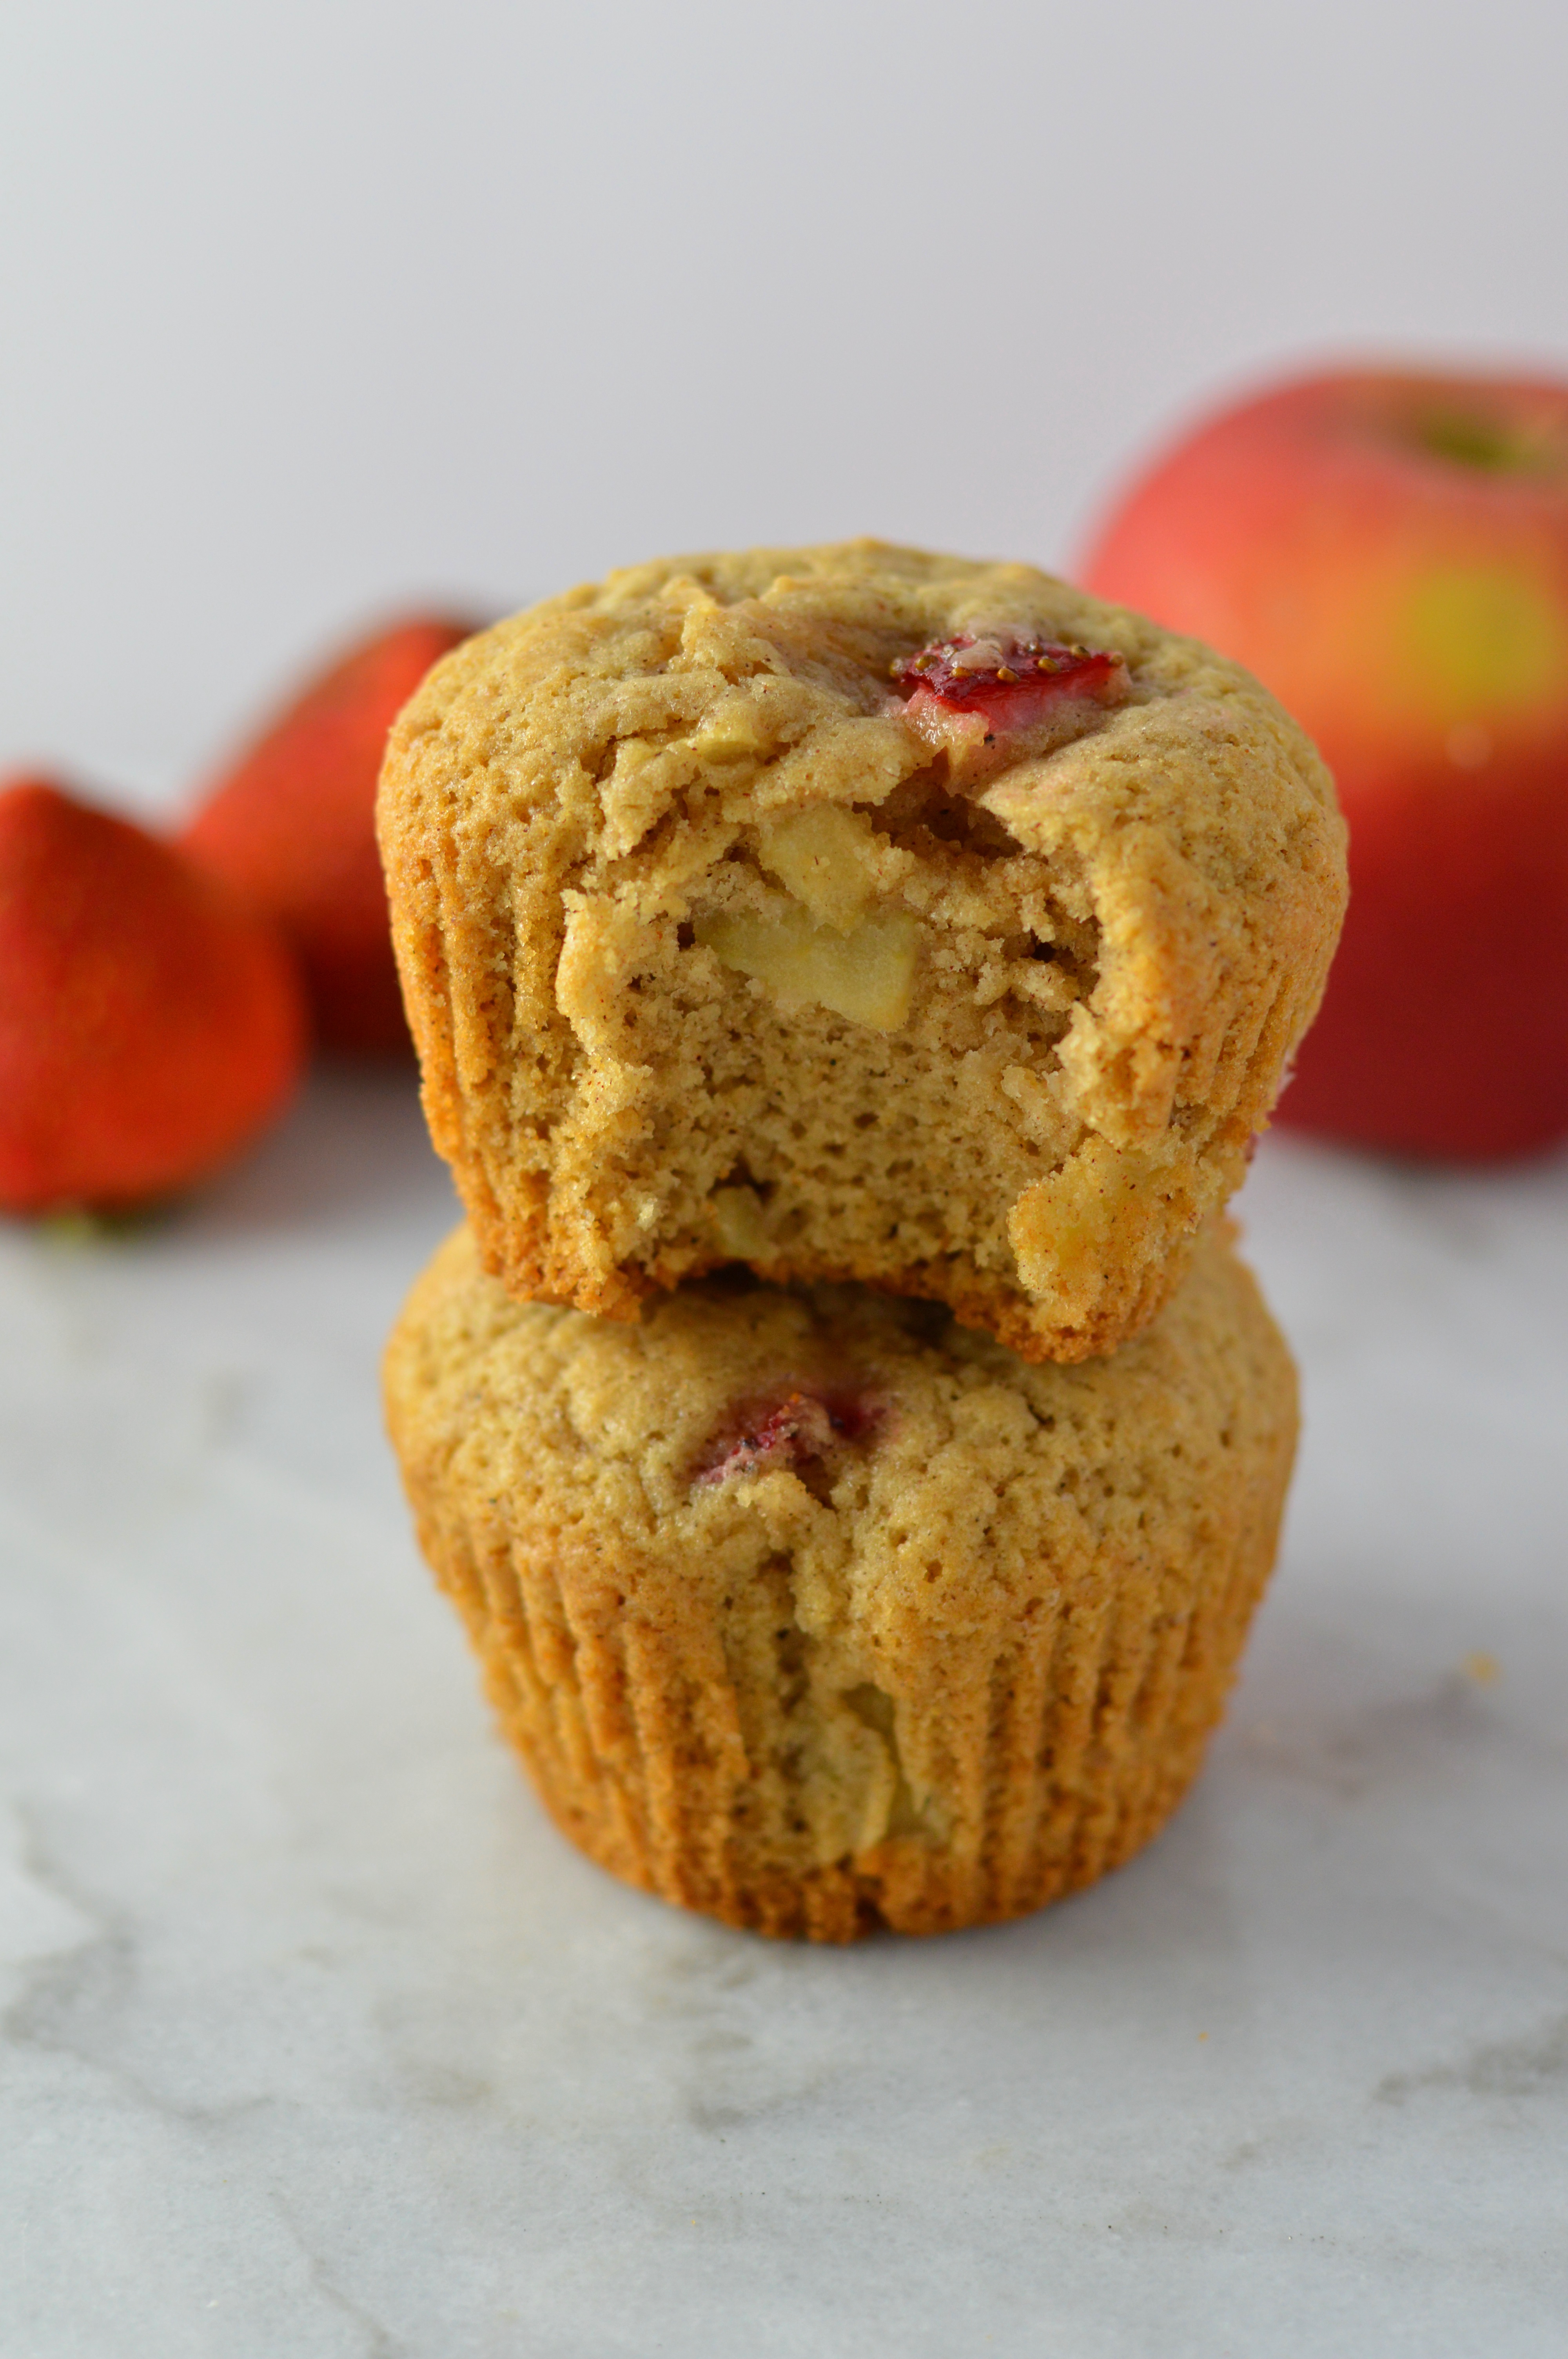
pixel 860 914
pixel 814 1610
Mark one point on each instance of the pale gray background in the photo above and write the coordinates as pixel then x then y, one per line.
pixel 314 2039
pixel 311 307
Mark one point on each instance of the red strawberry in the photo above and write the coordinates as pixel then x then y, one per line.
pixel 150 1023
pixel 967 695
pixel 1011 676
pixel 782 1432
pixel 292 823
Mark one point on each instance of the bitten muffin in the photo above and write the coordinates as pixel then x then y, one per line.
pixel 856 914
pixel 815 1611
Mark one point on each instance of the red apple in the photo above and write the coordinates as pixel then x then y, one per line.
pixel 1388 553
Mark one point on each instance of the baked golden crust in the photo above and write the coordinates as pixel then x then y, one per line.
pixel 814 1611
pixel 709 954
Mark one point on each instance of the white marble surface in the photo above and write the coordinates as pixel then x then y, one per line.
pixel 317 2040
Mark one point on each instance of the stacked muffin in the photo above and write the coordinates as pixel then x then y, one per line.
pixel 847 983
